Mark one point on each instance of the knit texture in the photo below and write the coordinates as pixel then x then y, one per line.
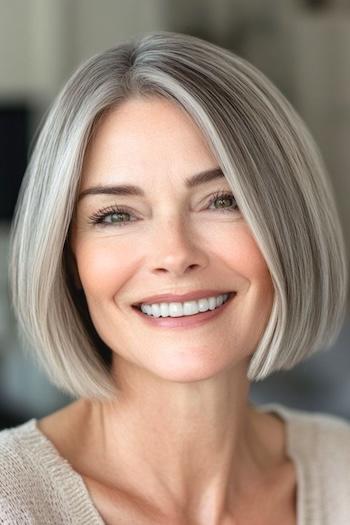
pixel 39 487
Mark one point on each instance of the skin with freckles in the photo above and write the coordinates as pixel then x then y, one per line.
pixel 181 443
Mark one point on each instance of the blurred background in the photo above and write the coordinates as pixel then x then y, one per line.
pixel 304 48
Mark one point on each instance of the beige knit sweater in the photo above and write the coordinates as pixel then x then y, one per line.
pixel 38 486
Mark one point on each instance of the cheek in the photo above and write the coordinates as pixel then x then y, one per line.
pixel 255 283
pixel 244 256
pixel 103 269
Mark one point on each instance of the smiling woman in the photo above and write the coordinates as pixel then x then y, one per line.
pixel 176 237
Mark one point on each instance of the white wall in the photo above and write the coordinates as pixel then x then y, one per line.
pixel 101 24
pixel 14 52
pixel 42 41
pixel 321 66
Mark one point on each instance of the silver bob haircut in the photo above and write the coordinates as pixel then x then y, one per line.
pixel 269 159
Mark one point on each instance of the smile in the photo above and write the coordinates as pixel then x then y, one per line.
pixel 187 308
pixel 209 311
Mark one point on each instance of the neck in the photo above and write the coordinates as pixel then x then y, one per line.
pixel 190 447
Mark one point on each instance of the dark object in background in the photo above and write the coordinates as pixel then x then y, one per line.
pixel 14 138
pixel 8 419
pixel 315 4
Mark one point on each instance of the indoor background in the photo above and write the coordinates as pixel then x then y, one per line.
pixel 304 48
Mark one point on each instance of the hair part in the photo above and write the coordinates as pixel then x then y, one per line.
pixel 269 159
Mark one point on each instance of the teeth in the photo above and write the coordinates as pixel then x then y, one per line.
pixel 183 309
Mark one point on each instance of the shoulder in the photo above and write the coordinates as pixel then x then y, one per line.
pixel 315 434
pixel 37 485
pixel 15 456
pixel 329 427
pixel 333 425
pixel 16 473
pixel 320 445
pixel 325 437
pixel 319 442
pixel 24 481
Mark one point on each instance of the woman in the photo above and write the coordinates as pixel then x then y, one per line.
pixel 176 238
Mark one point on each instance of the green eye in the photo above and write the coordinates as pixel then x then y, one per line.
pixel 116 217
pixel 226 201
pixel 111 215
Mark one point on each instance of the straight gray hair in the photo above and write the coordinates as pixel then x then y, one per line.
pixel 269 159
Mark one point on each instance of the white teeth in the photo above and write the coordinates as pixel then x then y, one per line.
pixel 183 309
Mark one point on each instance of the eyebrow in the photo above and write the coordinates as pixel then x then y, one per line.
pixel 127 189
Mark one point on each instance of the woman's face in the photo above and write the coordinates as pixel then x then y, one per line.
pixel 166 237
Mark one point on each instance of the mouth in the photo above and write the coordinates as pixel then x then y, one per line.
pixel 230 296
pixel 185 322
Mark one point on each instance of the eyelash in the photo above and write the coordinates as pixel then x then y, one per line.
pixel 99 217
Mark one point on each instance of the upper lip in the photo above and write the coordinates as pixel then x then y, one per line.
pixel 180 298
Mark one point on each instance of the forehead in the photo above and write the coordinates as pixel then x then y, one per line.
pixel 151 136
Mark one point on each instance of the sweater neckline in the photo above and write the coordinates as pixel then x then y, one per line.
pixel 77 496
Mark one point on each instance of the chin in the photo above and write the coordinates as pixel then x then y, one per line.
pixel 190 370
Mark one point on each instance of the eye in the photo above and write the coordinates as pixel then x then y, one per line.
pixel 226 201
pixel 113 215
pixel 116 216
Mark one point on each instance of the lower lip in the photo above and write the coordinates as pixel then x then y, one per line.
pixel 188 321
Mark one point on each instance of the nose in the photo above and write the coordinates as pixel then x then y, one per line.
pixel 176 248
